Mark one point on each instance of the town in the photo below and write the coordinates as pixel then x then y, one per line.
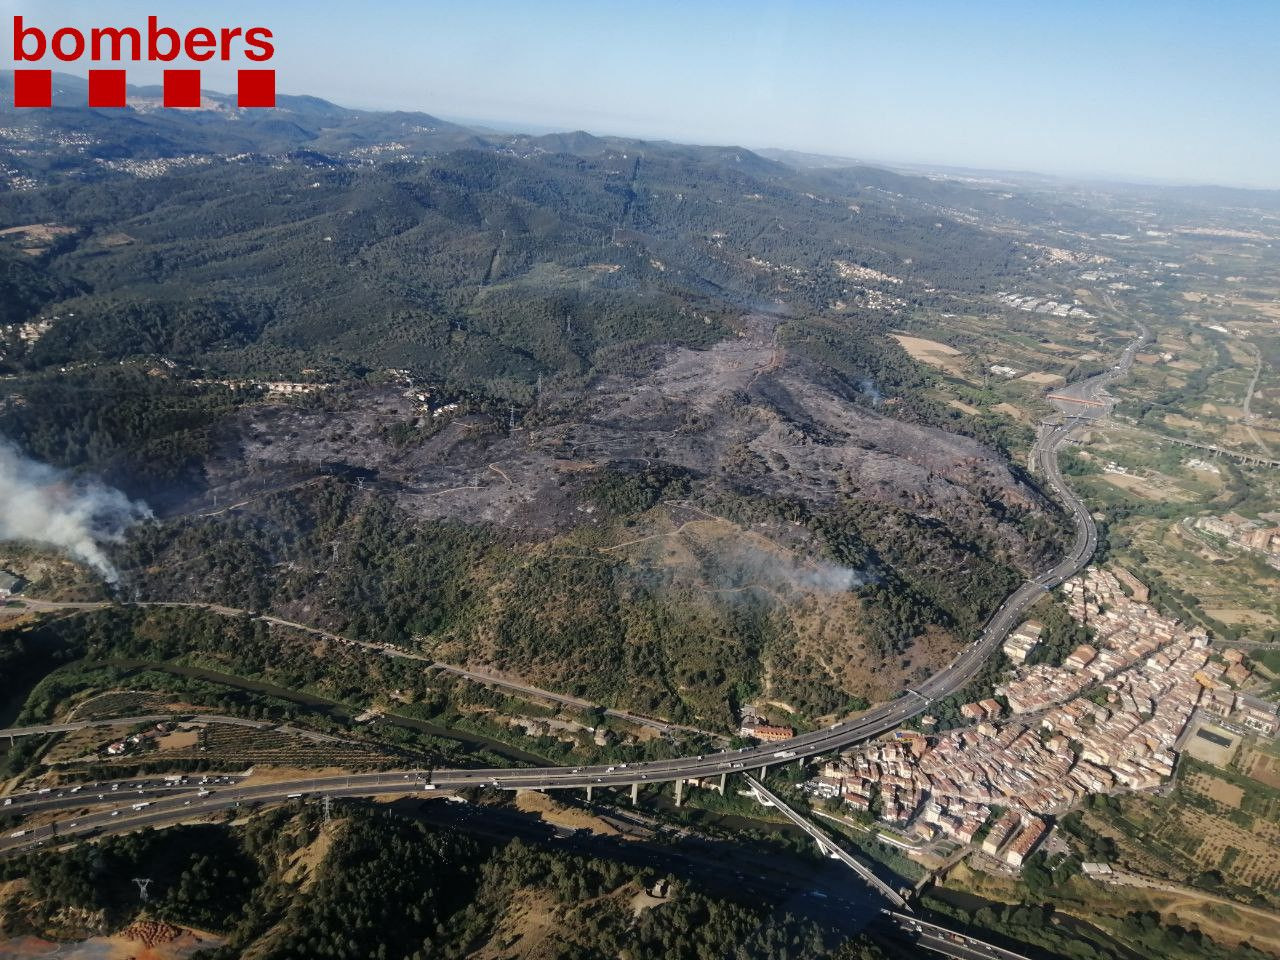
pixel 1112 717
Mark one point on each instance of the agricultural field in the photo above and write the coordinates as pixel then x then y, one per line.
pixel 1218 829
pixel 1210 376
pixel 1234 591
pixel 124 703
pixel 227 745
pixel 1250 856
pixel 1104 907
pixel 1031 355
pixel 1263 766
pixel 1194 383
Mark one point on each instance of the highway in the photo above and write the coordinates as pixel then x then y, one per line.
pixel 125 791
pixel 944 941
pixel 1237 455
pixel 869 725
pixel 826 844
pixel 228 793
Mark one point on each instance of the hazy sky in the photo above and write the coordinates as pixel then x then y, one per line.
pixel 1149 89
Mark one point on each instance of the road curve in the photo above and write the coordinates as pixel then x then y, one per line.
pixel 871 724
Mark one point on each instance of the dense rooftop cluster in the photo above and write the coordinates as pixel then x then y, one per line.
pixel 1110 718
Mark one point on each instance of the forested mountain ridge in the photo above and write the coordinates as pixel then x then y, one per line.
pixel 510 260
pixel 533 354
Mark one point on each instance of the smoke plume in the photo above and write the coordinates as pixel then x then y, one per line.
pixel 744 565
pixel 50 506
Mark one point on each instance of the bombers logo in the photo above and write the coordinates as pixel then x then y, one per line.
pixel 32 87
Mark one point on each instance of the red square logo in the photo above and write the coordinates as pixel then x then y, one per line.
pixel 257 88
pixel 33 88
pixel 106 88
pixel 182 88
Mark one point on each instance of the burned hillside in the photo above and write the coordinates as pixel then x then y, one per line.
pixel 729 518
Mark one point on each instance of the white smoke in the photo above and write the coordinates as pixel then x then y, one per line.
pixel 746 565
pixel 43 504
pixel 869 390
pixel 826 577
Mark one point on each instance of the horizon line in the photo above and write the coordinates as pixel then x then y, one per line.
pixel 953 168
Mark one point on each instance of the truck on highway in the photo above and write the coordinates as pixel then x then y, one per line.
pixel 18 833
pixel 142 805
